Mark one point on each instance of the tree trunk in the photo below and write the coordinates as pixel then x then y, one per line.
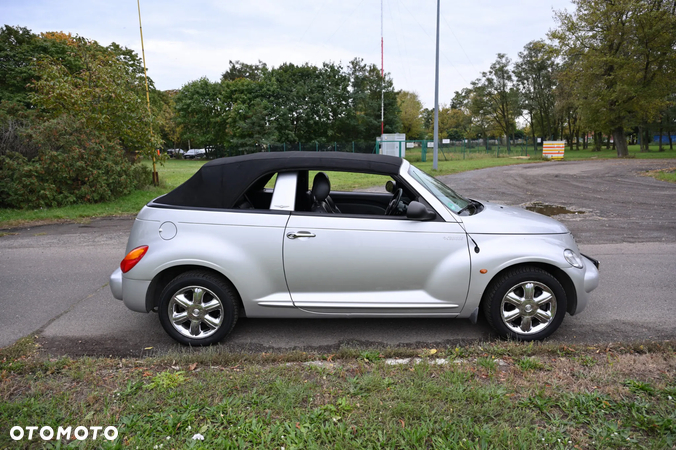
pixel 597 141
pixel 644 137
pixel 661 132
pixel 608 141
pixel 532 129
pixel 671 144
pixel 620 142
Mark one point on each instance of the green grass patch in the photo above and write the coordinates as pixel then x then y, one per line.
pixel 301 400
pixel 668 175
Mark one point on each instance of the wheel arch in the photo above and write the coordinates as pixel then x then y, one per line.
pixel 163 278
pixel 561 276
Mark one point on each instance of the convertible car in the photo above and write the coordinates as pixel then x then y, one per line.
pixel 264 235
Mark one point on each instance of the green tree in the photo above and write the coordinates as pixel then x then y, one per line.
pixel 411 114
pixel 624 53
pixel 249 114
pixel 106 94
pixel 238 69
pixel 535 77
pixel 366 84
pixel 502 100
pixel 479 109
pixel 200 106
pixel 309 102
pixel 19 49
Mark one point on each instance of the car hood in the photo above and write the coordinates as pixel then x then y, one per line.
pixel 501 219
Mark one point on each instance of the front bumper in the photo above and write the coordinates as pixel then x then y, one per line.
pixel 585 284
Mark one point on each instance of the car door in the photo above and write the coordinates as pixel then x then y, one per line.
pixel 375 265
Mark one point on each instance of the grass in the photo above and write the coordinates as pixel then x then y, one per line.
pixel 175 172
pixel 494 397
pixel 668 175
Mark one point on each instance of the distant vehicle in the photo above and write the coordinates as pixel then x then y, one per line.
pixel 195 153
pixel 173 152
pixel 225 244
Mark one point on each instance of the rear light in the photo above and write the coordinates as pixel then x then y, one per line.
pixel 132 258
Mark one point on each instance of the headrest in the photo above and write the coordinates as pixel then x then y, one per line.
pixel 321 186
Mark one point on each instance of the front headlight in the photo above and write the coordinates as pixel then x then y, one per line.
pixel 572 258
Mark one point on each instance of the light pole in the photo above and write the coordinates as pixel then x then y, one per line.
pixel 435 163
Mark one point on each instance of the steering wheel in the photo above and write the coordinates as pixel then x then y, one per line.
pixel 392 206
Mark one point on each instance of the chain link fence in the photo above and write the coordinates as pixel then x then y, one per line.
pixel 418 150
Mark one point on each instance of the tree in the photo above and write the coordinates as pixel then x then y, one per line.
pixel 200 105
pixel 624 53
pixel 19 49
pixel 366 85
pixel 309 102
pixel 238 69
pixel 106 93
pixel 411 114
pixel 501 95
pixel 535 72
pixel 479 108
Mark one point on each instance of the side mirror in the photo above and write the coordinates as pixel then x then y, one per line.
pixel 390 186
pixel 418 211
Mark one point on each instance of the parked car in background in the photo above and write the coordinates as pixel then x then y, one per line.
pixel 195 153
pixel 173 152
pixel 263 235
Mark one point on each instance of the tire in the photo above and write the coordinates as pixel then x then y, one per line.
pixel 198 308
pixel 525 303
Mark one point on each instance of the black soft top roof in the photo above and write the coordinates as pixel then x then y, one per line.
pixel 221 182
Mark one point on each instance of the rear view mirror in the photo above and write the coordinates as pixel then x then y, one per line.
pixel 418 211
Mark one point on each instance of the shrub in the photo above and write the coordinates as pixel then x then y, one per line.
pixel 73 165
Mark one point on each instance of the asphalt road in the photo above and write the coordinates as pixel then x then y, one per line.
pixel 53 278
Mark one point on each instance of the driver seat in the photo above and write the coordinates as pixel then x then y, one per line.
pixel 321 201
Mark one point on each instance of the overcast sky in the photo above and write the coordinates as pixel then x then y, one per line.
pixel 186 40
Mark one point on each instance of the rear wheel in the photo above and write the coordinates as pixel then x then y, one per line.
pixel 198 308
pixel 526 304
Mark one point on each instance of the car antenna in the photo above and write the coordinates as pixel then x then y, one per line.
pixel 476 247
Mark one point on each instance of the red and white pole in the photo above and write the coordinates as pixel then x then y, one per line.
pixel 382 73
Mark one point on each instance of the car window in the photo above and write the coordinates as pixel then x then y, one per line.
pixel 351 193
pixel 259 194
pixel 452 200
pixel 353 181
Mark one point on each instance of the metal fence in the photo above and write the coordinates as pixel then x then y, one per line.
pixel 420 150
pixel 349 147
pixel 413 150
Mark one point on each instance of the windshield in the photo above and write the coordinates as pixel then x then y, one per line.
pixel 446 195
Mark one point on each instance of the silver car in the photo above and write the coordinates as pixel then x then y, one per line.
pixel 263 235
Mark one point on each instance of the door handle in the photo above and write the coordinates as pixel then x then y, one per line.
pixel 300 234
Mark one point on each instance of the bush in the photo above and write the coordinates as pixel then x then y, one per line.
pixel 73 165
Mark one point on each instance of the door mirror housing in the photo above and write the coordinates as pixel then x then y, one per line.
pixel 418 211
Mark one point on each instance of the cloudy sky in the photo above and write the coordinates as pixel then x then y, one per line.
pixel 186 40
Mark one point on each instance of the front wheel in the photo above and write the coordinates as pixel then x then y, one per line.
pixel 197 308
pixel 526 304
